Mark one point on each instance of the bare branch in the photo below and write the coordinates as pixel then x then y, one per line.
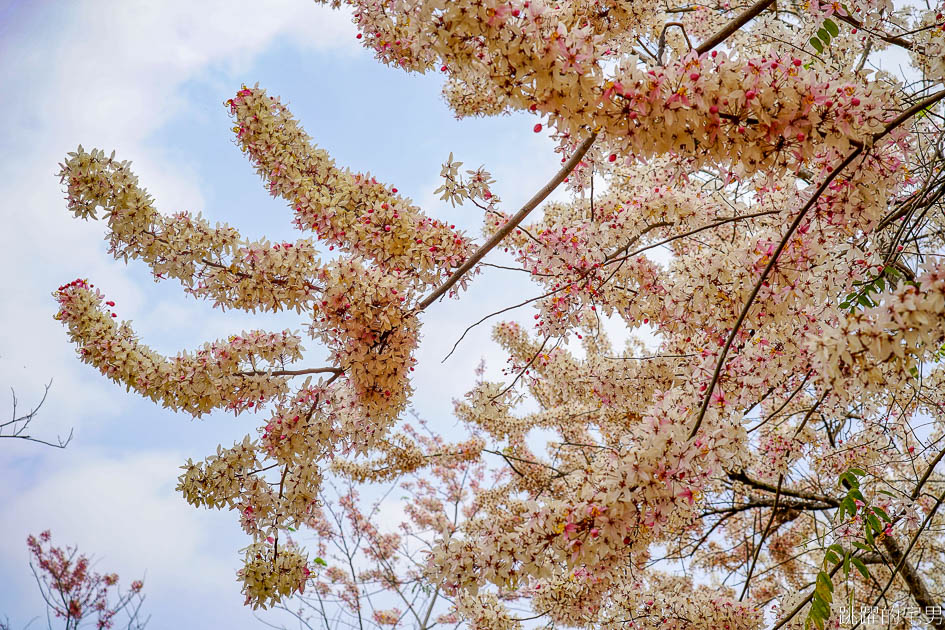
pixel 18 425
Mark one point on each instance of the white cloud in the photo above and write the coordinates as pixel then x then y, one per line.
pixel 117 73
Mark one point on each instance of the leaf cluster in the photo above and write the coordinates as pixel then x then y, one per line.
pixel 836 557
pixel 828 31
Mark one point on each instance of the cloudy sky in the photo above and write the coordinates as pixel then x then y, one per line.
pixel 148 80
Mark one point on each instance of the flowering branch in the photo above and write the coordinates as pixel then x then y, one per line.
pixel 851 157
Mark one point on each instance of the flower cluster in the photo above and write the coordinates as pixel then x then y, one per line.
pixel 350 211
pixel 558 59
pixel 929 52
pixel 629 498
pixel 475 187
pixel 211 262
pixel 268 576
pixel 887 341
pixel 224 374
pixel 74 593
pixel 363 318
pixel 388 617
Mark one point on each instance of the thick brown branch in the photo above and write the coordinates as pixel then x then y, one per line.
pixel 321 370
pixel 920 592
pixel 743 19
pixel 741 477
pixel 506 229
pixel 776 503
pixel 891 39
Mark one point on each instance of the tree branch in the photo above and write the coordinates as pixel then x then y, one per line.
pixel 904 116
pixel 19 424
pixel 752 12
pixel 913 580
pixel 512 223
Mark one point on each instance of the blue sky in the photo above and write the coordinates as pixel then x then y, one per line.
pixel 148 80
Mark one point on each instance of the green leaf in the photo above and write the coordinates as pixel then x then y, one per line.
pixel 844 305
pixel 861 567
pixel 849 505
pixel 887 493
pixel 860 545
pixel 823 592
pixel 874 522
pixel 831 557
pixel 882 514
pixel 865 301
pixel 824 36
pixel 816 44
pixel 858 472
pixel 840 511
pixel 321 562
pixel 816 607
pixel 821 610
pixel 869 536
pixel 831 27
pixel 846 566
